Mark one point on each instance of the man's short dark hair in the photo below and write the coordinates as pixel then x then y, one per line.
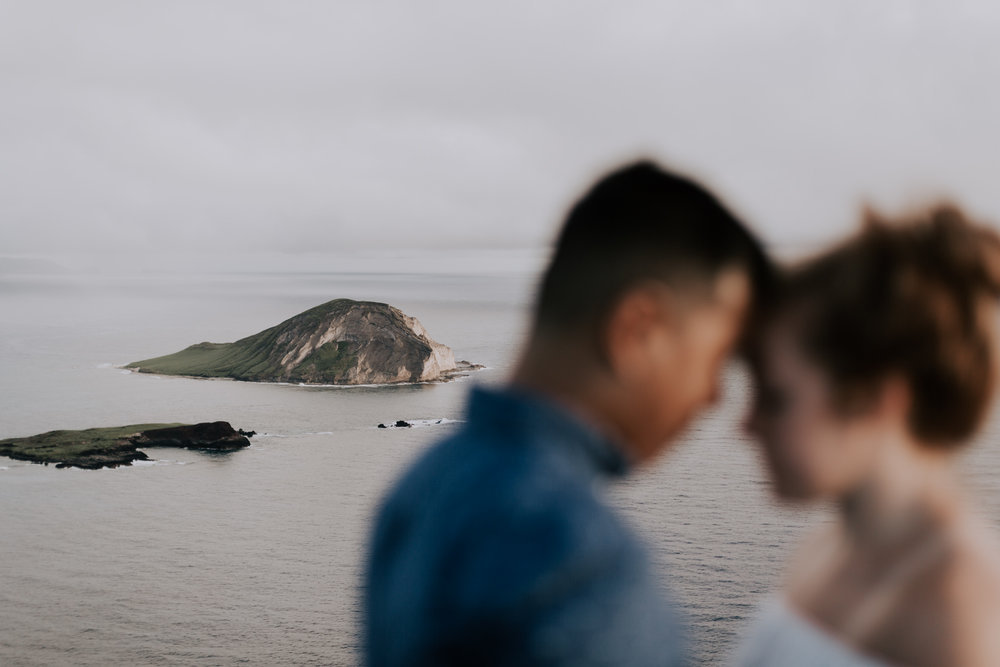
pixel 641 223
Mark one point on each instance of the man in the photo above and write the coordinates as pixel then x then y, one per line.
pixel 496 547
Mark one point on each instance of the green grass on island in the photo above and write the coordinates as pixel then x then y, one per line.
pixel 260 357
pixel 121 445
pixel 97 444
pixel 248 359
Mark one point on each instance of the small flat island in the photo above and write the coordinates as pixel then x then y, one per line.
pixel 95 448
pixel 341 342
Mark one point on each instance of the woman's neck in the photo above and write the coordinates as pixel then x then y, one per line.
pixel 910 490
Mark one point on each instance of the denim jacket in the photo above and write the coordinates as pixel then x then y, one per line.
pixel 496 548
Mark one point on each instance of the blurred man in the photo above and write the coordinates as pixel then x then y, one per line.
pixel 497 547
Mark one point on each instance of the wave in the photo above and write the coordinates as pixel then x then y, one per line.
pixel 347 386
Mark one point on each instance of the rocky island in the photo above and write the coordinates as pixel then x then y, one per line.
pixel 340 342
pixel 116 446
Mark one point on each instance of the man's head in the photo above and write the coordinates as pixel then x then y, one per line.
pixel 650 286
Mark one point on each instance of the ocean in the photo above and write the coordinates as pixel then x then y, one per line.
pixel 253 557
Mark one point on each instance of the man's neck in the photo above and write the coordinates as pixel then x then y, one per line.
pixel 565 372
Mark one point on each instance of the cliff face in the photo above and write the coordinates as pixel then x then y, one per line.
pixel 340 342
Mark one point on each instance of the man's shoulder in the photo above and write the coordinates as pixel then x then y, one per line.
pixel 486 505
pixel 489 532
pixel 488 499
pixel 475 469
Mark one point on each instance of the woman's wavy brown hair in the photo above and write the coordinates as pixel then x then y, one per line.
pixel 913 297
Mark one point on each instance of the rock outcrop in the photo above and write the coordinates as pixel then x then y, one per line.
pixel 340 342
pixel 119 445
pixel 217 436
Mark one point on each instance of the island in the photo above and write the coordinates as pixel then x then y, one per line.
pixel 341 342
pixel 95 448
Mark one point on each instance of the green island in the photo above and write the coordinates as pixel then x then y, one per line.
pixel 339 342
pixel 111 447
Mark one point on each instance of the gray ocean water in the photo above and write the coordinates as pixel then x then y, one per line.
pixel 253 557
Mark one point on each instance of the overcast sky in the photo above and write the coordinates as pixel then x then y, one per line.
pixel 290 126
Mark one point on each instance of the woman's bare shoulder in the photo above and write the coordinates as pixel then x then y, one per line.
pixel 971 596
pixel 973 570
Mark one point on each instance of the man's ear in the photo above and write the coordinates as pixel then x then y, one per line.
pixel 636 318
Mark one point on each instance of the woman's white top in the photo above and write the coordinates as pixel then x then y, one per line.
pixel 783 637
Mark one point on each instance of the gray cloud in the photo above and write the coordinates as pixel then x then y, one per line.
pixel 323 127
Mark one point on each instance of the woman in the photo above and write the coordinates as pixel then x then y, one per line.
pixel 876 366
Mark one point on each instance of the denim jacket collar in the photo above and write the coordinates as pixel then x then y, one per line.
pixel 543 416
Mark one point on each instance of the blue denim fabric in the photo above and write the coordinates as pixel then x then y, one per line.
pixel 496 548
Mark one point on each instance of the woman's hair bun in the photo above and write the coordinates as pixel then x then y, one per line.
pixel 913 296
pixel 942 244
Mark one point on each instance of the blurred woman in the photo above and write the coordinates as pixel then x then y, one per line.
pixel 874 369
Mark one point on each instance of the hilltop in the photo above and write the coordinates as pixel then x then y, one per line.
pixel 339 342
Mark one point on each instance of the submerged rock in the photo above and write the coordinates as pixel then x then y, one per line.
pixel 119 445
pixel 340 342
pixel 402 423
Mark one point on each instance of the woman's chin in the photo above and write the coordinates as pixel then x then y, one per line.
pixel 795 490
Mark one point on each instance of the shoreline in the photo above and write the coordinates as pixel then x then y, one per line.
pixel 450 376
